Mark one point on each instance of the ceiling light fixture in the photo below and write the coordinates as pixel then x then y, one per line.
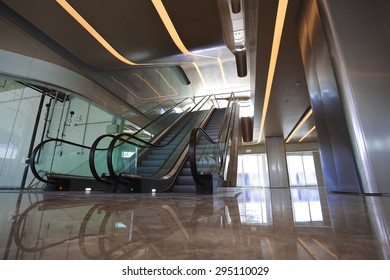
pixel 280 16
pixel 310 131
pixel 308 114
pixel 169 26
pixel 159 6
pixel 65 5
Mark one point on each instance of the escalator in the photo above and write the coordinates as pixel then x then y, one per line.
pixel 63 165
pixel 152 167
pixel 200 139
pixel 159 157
pixel 185 182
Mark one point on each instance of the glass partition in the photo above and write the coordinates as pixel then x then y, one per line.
pixel 212 154
pixel 135 157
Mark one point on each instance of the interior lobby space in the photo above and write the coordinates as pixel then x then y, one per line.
pixel 233 224
pixel 195 130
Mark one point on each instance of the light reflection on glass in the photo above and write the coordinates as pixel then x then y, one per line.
pixel 306 205
pixel 253 206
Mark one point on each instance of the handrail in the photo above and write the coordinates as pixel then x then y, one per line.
pixel 192 153
pixel 147 144
pixel 194 136
pixel 161 116
pixel 31 160
pixel 110 165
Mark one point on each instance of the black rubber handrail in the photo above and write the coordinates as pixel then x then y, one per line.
pixel 146 144
pixel 31 160
pixel 161 116
pixel 194 136
pixel 94 148
pixel 192 153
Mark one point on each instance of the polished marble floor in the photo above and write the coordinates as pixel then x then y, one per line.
pixel 234 223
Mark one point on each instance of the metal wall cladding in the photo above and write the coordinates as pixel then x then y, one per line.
pixel 337 156
pixel 358 35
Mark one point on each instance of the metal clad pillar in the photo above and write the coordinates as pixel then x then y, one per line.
pixel 358 36
pixel 338 161
pixel 277 163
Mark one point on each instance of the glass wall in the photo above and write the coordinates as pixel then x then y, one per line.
pixel 64 116
pixel 18 111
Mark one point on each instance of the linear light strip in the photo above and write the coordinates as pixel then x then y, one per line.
pixel 159 6
pixel 280 17
pixel 308 114
pixel 169 25
pixel 65 5
pixel 310 131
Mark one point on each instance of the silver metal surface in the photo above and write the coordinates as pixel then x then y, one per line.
pixel 360 46
pixel 338 161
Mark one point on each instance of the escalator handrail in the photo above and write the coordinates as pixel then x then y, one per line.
pixel 192 153
pixel 193 141
pixel 95 144
pixel 94 148
pixel 110 152
pixel 161 116
pixel 31 160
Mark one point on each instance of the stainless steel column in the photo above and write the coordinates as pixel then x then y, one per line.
pixel 338 160
pixel 277 163
pixel 358 36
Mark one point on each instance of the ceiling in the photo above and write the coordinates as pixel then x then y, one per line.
pixel 127 47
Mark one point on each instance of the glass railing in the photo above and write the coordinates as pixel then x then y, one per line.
pixel 56 156
pixel 154 160
pixel 122 155
pixel 210 156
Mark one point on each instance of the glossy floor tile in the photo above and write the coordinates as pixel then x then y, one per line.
pixel 234 223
